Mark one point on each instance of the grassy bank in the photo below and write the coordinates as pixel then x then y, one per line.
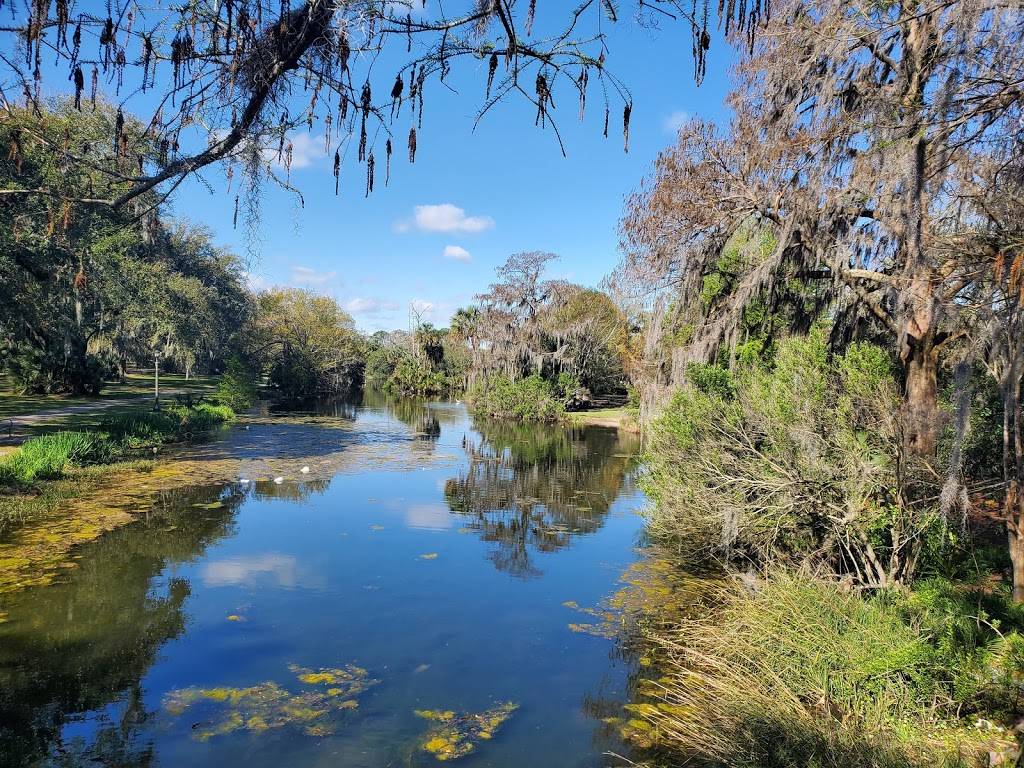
pixel 27 474
pixel 803 673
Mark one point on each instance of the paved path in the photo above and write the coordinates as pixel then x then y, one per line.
pixel 9 427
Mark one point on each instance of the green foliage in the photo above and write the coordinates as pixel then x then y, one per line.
pixel 42 371
pixel 709 379
pixel 50 456
pixel 237 388
pixel 433 365
pixel 975 631
pixel 85 289
pixel 797 459
pixel 528 399
pixel 308 344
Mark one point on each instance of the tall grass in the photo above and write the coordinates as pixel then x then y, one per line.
pixel 804 674
pixel 48 456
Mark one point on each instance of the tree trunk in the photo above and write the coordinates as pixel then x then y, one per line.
pixel 1015 535
pixel 921 361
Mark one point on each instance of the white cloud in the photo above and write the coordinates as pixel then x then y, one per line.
pixel 366 306
pixel 445 218
pixel 307 276
pixel 676 120
pixel 435 517
pixel 456 252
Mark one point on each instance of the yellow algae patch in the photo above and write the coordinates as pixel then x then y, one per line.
pixel 236 617
pixel 347 681
pixel 457 735
pixel 435 714
pixel 268 705
pixel 429 556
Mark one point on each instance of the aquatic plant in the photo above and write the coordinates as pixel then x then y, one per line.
pixel 458 734
pixel 268 705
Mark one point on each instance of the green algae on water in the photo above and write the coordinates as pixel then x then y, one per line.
pixel 268 705
pixel 458 734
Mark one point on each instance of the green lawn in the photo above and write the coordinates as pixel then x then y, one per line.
pixel 137 384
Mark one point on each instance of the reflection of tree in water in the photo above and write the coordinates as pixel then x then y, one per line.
pixel 86 643
pixel 346 408
pixel 531 488
pixel 290 490
pixel 423 417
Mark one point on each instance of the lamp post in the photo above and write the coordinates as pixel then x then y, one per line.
pixel 156 382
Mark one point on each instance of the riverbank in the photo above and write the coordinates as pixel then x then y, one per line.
pixel 795 671
pixel 626 419
pixel 49 470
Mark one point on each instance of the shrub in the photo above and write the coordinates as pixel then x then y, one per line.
pixel 529 399
pixel 41 371
pixel 799 460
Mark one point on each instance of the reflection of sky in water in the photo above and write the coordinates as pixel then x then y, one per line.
pixel 435 517
pixel 222 587
pixel 247 571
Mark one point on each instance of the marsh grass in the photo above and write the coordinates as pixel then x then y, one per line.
pixel 804 674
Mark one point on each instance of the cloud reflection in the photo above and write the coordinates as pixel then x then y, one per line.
pixel 434 517
pixel 247 571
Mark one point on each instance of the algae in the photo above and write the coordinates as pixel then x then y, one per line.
pixel 458 734
pixel 268 705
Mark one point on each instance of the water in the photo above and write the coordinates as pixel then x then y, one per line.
pixel 430 554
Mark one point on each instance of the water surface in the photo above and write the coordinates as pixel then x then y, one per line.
pixel 421 564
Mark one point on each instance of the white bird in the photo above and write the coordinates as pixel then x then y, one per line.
pixel 278 480
pixel 244 480
pixel 304 470
pixel 246 426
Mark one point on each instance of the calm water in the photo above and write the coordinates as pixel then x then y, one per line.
pixel 421 551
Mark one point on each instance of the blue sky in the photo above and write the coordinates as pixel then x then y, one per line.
pixel 434 236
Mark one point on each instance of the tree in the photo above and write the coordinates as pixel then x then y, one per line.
pixel 84 290
pixel 857 126
pixel 226 77
pixel 509 316
pixel 589 339
pixel 307 343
